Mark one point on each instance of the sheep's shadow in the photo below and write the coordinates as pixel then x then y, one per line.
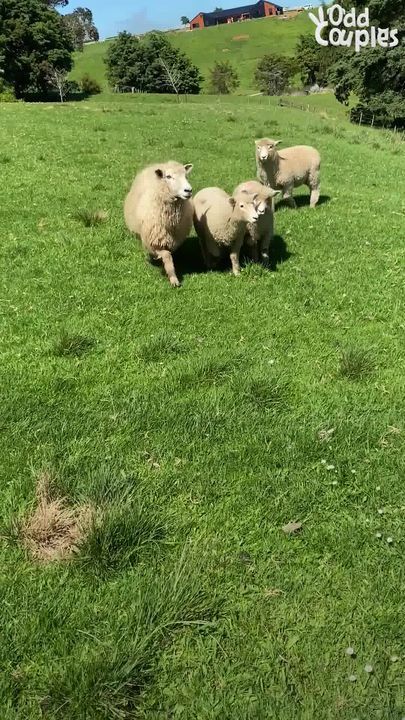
pixel 188 259
pixel 303 201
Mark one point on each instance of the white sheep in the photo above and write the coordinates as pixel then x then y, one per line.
pixel 220 221
pixel 289 168
pixel 159 209
pixel 259 235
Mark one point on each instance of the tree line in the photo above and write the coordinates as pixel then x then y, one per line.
pixel 37 45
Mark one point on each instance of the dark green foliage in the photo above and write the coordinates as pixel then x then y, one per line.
pixel 73 346
pixel 33 37
pixel 89 85
pixel 273 74
pixel 376 75
pixel 355 364
pixel 184 20
pixel 314 60
pixel 119 537
pixel 150 64
pixel 81 27
pixel 224 78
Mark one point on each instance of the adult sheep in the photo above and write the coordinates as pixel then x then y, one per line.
pixel 220 222
pixel 259 235
pixel 289 168
pixel 159 209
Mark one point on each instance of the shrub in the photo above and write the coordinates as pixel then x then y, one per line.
pixel 89 85
pixel 224 78
pixel 7 96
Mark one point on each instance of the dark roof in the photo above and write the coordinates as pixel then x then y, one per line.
pixel 238 10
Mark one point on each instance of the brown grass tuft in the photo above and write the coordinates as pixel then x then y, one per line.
pixel 53 531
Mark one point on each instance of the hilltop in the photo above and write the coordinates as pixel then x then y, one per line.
pixel 240 43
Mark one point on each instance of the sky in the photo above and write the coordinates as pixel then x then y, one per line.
pixel 138 16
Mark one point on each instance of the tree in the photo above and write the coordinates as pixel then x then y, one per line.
pixel 59 80
pixel 376 75
pixel 224 78
pixel 151 64
pixel 81 27
pixel 185 20
pixel 33 37
pixel 314 60
pixel 273 74
pixel 54 3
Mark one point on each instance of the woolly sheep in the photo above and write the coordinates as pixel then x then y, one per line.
pixel 159 209
pixel 289 168
pixel 220 222
pixel 260 234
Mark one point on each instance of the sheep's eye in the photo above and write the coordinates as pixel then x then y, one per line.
pixel 169 177
pixel 242 205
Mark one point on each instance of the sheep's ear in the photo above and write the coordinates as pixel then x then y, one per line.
pixel 159 173
pixel 188 168
pixel 272 193
pixel 245 192
pixel 232 201
pixel 277 142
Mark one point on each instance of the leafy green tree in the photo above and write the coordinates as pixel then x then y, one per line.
pixel 376 75
pixel 185 20
pixel 151 64
pixel 33 39
pixel 273 74
pixel 224 78
pixel 314 60
pixel 81 27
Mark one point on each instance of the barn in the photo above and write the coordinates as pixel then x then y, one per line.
pixel 261 9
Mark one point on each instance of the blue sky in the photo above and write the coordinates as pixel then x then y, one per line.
pixel 138 16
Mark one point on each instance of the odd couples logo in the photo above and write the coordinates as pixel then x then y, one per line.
pixel 356 27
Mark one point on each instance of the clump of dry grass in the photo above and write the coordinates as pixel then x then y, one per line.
pixel 54 531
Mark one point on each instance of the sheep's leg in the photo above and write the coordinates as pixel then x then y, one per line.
pixel 235 252
pixel 166 257
pixel 315 193
pixel 253 248
pixel 264 249
pixel 287 195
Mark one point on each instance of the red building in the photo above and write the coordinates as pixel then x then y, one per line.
pixel 261 9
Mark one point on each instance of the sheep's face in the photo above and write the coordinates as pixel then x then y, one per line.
pixel 244 206
pixel 264 202
pixel 175 177
pixel 266 148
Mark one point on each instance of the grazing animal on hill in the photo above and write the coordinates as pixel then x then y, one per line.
pixel 288 168
pixel 159 209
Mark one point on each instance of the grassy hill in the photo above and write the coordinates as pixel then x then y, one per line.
pixel 242 44
pixel 194 424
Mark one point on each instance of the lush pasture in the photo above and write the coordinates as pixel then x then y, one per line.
pixel 243 44
pixel 198 423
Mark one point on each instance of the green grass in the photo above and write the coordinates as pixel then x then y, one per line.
pixel 243 44
pixel 199 422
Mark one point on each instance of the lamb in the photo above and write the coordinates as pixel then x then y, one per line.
pixel 260 234
pixel 159 209
pixel 290 168
pixel 220 222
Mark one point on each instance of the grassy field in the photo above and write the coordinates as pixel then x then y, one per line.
pixel 192 425
pixel 242 44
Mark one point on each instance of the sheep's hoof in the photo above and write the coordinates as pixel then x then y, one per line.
pixel 174 282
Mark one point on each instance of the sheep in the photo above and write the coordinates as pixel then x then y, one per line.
pixel 220 222
pixel 260 234
pixel 285 170
pixel 159 209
